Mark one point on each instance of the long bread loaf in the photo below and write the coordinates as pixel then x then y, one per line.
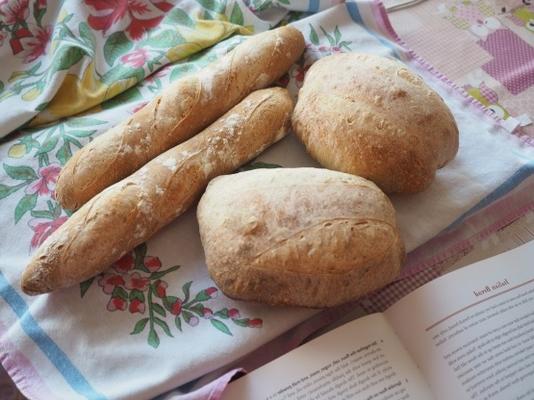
pixel 180 111
pixel 132 210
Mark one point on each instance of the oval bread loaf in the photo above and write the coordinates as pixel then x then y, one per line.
pixel 131 211
pixel 369 116
pixel 301 236
pixel 180 111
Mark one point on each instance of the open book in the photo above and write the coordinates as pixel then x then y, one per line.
pixel 466 335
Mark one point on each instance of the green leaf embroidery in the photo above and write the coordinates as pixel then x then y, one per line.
pixel 43 214
pixel 38 13
pixel 139 326
pixel 163 326
pixel 159 309
pixel 1 86
pixel 186 289
pixel 128 96
pixel 345 44
pixel 64 153
pixel 178 323
pixel 65 58
pixel 137 294
pixel 159 274
pixel 7 190
pixel 202 296
pixel 85 285
pixel 168 301
pixel 213 5
pixel 314 38
pixel 198 309
pixel 81 134
pixel 20 173
pixel 237 15
pixel 286 2
pixel 337 34
pixel 153 339
pixel 222 313
pixel 123 72
pixel 220 326
pixel 165 39
pixel 87 35
pixel 179 16
pixel 25 204
pixel 329 37
pixel 120 292
pixel 187 315
pixel 242 322
pixel 71 139
pixel 116 45
pixel 48 145
pixel 84 121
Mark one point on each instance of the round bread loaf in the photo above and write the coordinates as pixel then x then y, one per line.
pixel 369 116
pixel 298 236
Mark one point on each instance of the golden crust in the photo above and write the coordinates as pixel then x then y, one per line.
pixel 183 109
pixel 132 210
pixel 303 236
pixel 375 119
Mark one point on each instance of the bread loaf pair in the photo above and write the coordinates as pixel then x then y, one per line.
pixel 298 236
pixel 132 210
pixel 180 111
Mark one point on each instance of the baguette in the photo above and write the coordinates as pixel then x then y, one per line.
pixel 180 111
pixel 132 210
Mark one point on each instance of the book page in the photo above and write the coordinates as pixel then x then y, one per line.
pixel 472 331
pixel 360 360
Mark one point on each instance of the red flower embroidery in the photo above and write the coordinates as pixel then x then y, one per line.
pixel 193 321
pixel 255 323
pixel 46 181
pixel 141 14
pixel 137 306
pixel 136 281
pixel 207 312
pixel 109 282
pixel 37 46
pixel 125 264
pixel 212 292
pixel 176 307
pixel 152 263
pixel 2 38
pixel 136 58
pixel 161 288
pixel 15 11
pixel 116 303
pixel 233 313
pixel 44 228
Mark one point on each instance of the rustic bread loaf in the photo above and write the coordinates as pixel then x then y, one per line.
pixel 131 211
pixel 180 111
pixel 369 116
pixel 301 236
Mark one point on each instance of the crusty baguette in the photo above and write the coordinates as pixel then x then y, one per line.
pixel 132 210
pixel 298 236
pixel 180 111
pixel 375 119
